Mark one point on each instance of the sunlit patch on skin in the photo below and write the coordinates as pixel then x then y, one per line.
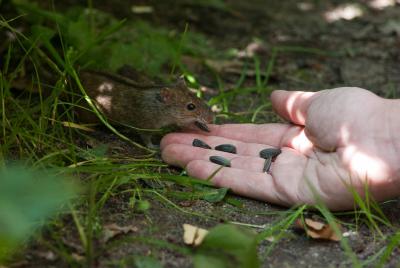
pixel 346 12
pixel 104 102
pixel 364 165
pixel 291 103
pixel 344 135
pixel 301 142
pixel 106 87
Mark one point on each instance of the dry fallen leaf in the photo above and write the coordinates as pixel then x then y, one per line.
pixel 317 230
pixel 112 230
pixel 142 9
pixel 228 66
pixel 48 255
pixel 270 238
pixel 193 235
pixel 77 257
pixel 252 49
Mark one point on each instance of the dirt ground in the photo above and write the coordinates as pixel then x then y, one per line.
pixel 367 54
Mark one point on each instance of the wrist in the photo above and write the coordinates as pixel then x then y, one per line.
pixel 392 119
pixel 392 112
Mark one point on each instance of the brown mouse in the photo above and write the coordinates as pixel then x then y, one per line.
pixel 144 106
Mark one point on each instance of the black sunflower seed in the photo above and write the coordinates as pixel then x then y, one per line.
pixel 228 148
pixel 201 144
pixel 219 160
pixel 270 152
pixel 202 126
pixel 267 164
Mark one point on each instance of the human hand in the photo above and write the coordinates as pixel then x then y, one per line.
pixel 339 139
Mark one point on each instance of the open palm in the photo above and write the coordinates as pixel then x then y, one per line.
pixel 337 140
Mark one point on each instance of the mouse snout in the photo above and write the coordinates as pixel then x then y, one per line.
pixel 207 117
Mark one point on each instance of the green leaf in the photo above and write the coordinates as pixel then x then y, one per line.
pixel 144 47
pixel 27 199
pixel 227 246
pixel 234 202
pixel 79 33
pixel 209 261
pixel 97 152
pixel 215 195
pixel 204 192
pixel 42 33
pixel 142 205
pixel 37 14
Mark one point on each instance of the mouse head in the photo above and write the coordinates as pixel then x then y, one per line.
pixel 184 108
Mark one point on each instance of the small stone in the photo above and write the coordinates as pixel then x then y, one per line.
pixel 201 144
pixel 267 164
pixel 270 153
pixel 228 148
pixel 219 160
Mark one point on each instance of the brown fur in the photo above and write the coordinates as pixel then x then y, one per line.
pixel 123 101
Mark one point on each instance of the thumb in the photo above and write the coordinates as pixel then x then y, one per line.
pixel 292 105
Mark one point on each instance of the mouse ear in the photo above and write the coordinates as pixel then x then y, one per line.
pixel 165 95
pixel 181 83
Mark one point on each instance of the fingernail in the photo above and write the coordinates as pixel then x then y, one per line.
pixel 228 148
pixel 201 144
pixel 219 160
pixel 267 164
pixel 270 152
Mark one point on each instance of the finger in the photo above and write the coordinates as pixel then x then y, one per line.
pixel 242 148
pixel 251 133
pixel 292 105
pixel 181 155
pixel 270 134
pixel 294 137
pixel 246 183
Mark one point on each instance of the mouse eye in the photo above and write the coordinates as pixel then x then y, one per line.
pixel 191 106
